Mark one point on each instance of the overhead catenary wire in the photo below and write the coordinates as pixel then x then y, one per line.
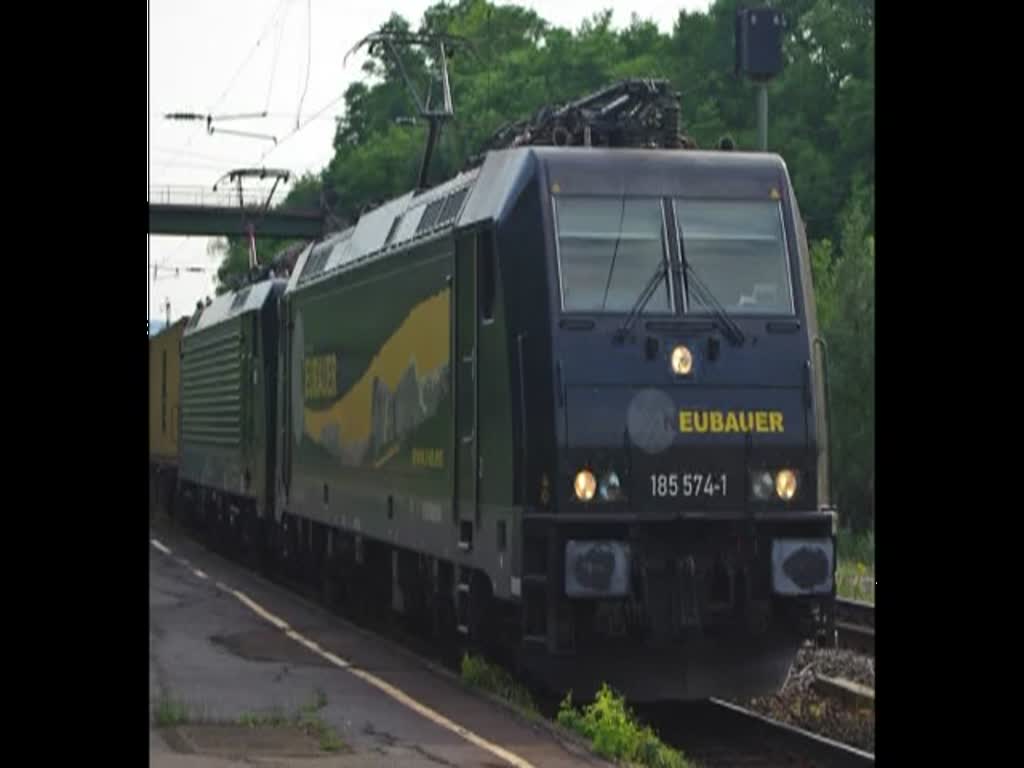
pixel 267 27
pixel 309 58
pixel 277 51
pixel 164 264
pixel 195 161
pixel 301 124
pixel 177 270
pixel 252 50
pixel 200 156
pixel 195 166
pixel 290 116
pixel 308 120
pixel 266 114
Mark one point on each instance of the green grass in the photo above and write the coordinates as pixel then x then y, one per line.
pixel 169 712
pixel 309 721
pixel 274 718
pixel 609 727
pixel 614 733
pixel 859 547
pixel 855 578
pixel 481 674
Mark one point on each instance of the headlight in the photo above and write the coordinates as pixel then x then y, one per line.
pixel 762 484
pixel 785 484
pixel 585 485
pixel 682 361
pixel 766 485
pixel 611 487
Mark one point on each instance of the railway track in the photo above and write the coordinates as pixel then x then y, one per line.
pixel 855 625
pixel 716 734
pixel 713 734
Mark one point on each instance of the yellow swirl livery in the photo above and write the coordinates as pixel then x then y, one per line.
pixel 400 389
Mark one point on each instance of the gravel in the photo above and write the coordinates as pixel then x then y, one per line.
pixel 798 704
pixel 832 663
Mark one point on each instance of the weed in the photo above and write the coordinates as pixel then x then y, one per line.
pixel 315 726
pixel 614 733
pixel 331 741
pixel 168 712
pixel 318 702
pixel 857 547
pixel 855 577
pixel 855 581
pixel 276 717
pixel 478 673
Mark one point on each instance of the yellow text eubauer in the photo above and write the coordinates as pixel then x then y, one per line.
pixel 428 457
pixel 731 421
pixel 321 377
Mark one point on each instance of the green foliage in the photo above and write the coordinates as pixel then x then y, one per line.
pixel 845 286
pixel 478 673
pixel 168 712
pixel 855 581
pixel 821 110
pixel 614 733
pixel 857 547
pixel 309 721
pixel 306 718
pixel 274 718
pixel 856 573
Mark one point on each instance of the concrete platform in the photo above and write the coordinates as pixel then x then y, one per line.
pixel 234 660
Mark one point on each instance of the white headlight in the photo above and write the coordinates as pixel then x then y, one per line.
pixel 785 484
pixel 682 361
pixel 762 485
pixel 585 485
pixel 611 487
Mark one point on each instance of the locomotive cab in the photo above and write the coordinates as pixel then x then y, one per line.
pixel 681 503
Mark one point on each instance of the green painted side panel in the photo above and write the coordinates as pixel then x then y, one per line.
pixel 495 438
pixel 215 407
pixel 466 378
pixel 370 387
pixel 370 393
pixel 223 412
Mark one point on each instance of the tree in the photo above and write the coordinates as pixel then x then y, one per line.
pixel 845 288
pixel 821 121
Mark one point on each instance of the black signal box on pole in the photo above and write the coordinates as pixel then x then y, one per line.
pixel 759 42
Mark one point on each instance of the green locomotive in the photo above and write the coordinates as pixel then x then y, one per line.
pixel 568 404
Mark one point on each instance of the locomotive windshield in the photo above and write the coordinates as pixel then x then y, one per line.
pixel 608 248
pixel 738 249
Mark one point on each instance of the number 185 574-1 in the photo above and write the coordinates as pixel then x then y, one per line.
pixel 689 484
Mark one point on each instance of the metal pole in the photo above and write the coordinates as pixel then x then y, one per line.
pixel 762 116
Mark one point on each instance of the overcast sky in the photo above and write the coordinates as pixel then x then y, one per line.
pixel 231 57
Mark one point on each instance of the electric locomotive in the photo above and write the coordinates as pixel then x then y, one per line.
pixel 570 396
pixel 568 404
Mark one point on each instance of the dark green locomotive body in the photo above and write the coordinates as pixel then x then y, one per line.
pixel 471 376
pixel 228 385
pixel 397 409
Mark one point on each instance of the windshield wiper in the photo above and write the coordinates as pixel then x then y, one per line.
pixel 615 253
pixel 707 298
pixel 731 330
pixel 642 299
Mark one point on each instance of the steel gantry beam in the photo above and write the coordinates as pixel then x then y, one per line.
pixel 177 219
